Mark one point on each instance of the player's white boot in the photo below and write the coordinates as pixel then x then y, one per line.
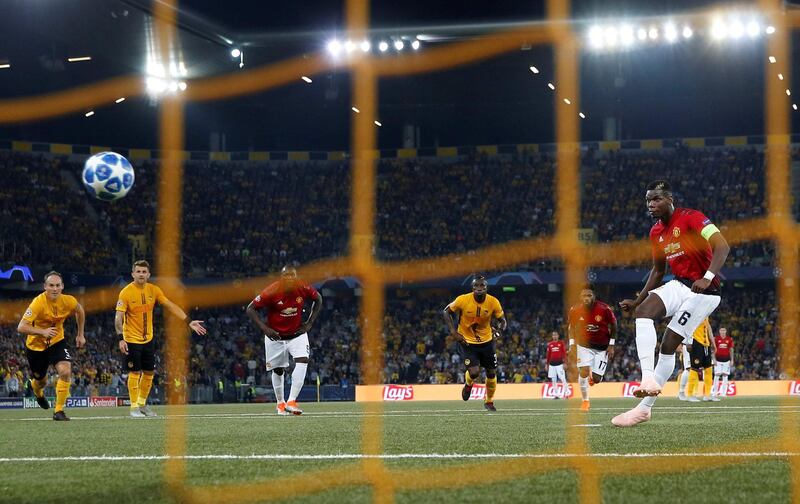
pixel 693 399
pixel 631 418
pixel 648 388
pixel 146 411
pixel 681 396
pixel 137 413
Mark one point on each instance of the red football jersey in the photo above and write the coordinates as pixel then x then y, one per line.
pixel 556 351
pixel 284 307
pixel 592 326
pixel 684 244
pixel 724 347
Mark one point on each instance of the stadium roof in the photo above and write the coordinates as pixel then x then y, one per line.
pixel 690 89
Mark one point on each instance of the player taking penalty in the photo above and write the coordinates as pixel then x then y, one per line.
pixel 45 346
pixel 593 325
pixel 134 325
pixel 473 331
pixel 285 332
pixel 695 250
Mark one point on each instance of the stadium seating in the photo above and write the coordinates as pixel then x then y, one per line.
pixel 243 219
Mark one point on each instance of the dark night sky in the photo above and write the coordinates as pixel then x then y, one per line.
pixel 694 88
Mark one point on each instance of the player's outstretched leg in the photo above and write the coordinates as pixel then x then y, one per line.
pixel 469 378
pixel 298 379
pixel 38 392
pixel 641 413
pixel 583 384
pixel 491 387
pixel 684 380
pixel 277 386
pixel 645 347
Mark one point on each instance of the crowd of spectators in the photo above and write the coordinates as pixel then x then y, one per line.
pixel 44 222
pixel 243 219
pixel 418 348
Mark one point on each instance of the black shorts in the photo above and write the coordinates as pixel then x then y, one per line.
pixel 480 353
pixel 141 356
pixel 700 356
pixel 40 360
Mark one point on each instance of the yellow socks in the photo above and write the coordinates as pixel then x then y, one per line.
pixel 38 387
pixel 468 378
pixel 707 381
pixel 694 379
pixel 144 388
pixel 491 386
pixel 133 387
pixel 62 392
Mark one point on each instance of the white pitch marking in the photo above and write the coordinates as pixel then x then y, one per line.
pixel 588 425
pixel 395 456
pixel 423 414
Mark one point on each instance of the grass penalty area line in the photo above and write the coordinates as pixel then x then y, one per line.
pixel 397 456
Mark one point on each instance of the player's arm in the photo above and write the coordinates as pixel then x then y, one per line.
pixel 547 358
pixel 450 313
pixel 653 280
pixel 612 339
pixel 194 325
pixel 80 320
pixel 119 320
pixel 712 347
pixel 720 249
pixel 266 330
pixel 316 309
pixel 26 328
pixel 501 323
pixel 571 336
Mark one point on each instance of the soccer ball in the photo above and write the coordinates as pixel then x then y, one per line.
pixel 107 176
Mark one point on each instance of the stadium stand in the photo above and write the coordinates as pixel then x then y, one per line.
pixel 245 218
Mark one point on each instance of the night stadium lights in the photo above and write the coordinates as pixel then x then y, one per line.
pixel 337 48
pixel 625 36
pixel 535 71
pixel 158 82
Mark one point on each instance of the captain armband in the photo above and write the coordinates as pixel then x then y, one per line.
pixel 708 231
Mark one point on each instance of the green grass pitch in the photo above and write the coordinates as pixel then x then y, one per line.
pixel 100 456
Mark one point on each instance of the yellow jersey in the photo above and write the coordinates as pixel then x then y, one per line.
pixel 137 303
pixel 475 317
pixel 703 333
pixel 42 313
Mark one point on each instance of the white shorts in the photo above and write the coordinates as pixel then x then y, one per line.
pixel 722 368
pixel 556 372
pixel 687 359
pixel 278 352
pixel 596 359
pixel 688 309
